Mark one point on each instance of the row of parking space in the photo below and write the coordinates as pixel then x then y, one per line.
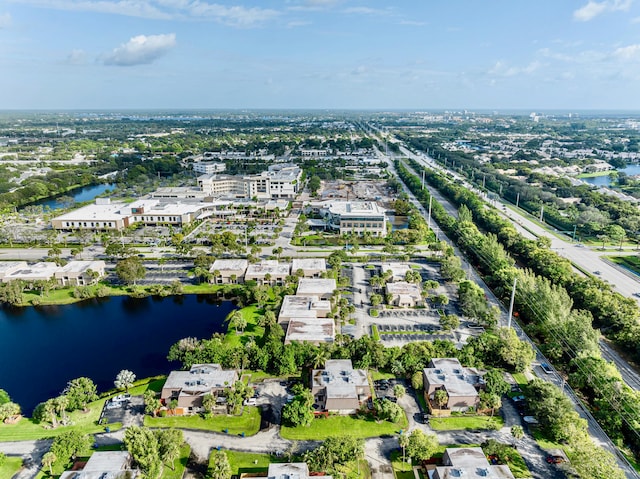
pixel 407 313
pixel 407 327
pixel 414 337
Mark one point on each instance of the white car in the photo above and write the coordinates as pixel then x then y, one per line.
pixel 250 402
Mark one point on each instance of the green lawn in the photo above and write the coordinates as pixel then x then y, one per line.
pixel 248 422
pixel 176 471
pixel 455 423
pixel 376 375
pixel 251 314
pixel 631 262
pixel 520 379
pixel 401 469
pixel 249 462
pixel 26 429
pixel 11 466
pixel 258 376
pixel 322 428
pixel 545 443
pixel 517 466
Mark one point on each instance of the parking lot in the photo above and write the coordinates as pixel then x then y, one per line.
pixel 128 411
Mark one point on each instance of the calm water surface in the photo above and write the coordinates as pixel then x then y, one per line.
pixel 606 181
pixel 86 193
pixel 41 348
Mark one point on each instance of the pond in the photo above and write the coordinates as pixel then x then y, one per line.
pixel 606 180
pixel 79 195
pixel 42 348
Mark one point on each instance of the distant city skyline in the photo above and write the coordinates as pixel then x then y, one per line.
pixel 320 54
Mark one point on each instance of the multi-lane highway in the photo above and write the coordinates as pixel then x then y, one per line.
pixel 595 430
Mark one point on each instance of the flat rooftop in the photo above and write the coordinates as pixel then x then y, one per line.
pixel 399 270
pixel 8 266
pixel 201 377
pixel 81 266
pixel 312 286
pixel 404 288
pixel 314 330
pixel 271 267
pixel 457 380
pixel 229 265
pixel 308 263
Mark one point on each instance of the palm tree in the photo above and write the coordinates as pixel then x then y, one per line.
pixel 441 398
pixel 61 405
pixel 50 409
pixel 517 432
pixel 236 320
pixel 47 461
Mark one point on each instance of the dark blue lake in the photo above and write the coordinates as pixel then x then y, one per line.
pixel 79 195
pixel 41 348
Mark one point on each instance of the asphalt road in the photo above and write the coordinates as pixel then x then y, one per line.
pixel 596 432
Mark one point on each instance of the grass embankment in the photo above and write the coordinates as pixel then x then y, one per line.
pixel 594 174
pixel 467 423
pixel 10 466
pixel 248 422
pixel 66 295
pixel 85 422
pixel 322 428
pixel 27 429
pixel 630 262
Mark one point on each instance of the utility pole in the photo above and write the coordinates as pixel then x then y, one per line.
pixel 541 213
pixel 423 179
pixel 429 216
pixel 484 177
pixel 574 233
pixel 513 297
pixel 517 199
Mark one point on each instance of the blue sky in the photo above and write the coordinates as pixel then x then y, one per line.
pixel 355 54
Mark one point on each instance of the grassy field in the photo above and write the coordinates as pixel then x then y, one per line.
pixel 322 428
pixel 65 295
pixel 468 423
pixel 27 429
pixel 251 314
pixel 249 462
pixel 248 423
pixel 11 466
pixel 176 470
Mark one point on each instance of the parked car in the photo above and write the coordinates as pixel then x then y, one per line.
pixel 555 459
pixel 122 398
pixel 250 402
pixel 546 368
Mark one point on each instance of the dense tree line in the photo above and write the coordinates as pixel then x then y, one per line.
pixel 592 216
pixel 556 305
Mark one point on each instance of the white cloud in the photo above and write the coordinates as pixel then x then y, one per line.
pixel 630 52
pixel 76 57
pixel 5 20
pixel 502 69
pixel 237 16
pixel 592 9
pixel 366 11
pixel 141 50
pixel 298 23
